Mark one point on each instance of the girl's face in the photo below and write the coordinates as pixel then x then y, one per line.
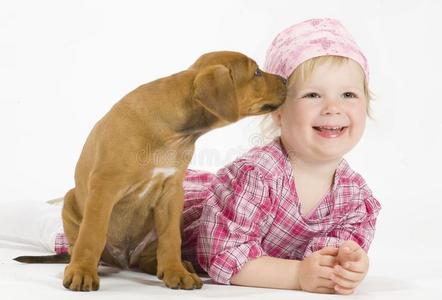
pixel 324 116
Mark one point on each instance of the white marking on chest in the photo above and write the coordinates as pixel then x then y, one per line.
pixel 167 172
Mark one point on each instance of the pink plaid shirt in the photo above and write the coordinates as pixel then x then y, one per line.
pixel 250 209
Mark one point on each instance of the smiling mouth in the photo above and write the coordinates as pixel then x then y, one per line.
pixel 330 131
pixel 329 128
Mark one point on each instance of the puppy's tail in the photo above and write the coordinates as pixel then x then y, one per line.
pixel 47 259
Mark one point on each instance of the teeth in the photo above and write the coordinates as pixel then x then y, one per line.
pixel 329 128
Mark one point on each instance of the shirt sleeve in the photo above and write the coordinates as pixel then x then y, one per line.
pixel 229 232
pixel 358 224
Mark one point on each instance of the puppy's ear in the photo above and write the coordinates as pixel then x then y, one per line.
pixel 214 90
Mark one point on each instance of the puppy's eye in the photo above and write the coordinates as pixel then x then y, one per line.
pixel 258 72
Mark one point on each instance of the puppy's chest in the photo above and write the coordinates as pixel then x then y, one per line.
pixel 131 226
pixel 150 190
pixel 143 196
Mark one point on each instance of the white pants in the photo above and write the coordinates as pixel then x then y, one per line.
pixel 31 223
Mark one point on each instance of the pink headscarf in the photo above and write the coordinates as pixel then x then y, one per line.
pixel 311 38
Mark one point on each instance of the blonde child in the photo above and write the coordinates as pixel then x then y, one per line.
pixel 322 214
pixel 292 214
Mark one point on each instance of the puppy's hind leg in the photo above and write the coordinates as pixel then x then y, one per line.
pixel 148 259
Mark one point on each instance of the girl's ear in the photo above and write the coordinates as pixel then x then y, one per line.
pixel 276 117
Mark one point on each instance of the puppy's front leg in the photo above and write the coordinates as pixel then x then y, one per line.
pixel 81 273
pixel 167 222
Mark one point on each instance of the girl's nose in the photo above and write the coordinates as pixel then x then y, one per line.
pixel 330 107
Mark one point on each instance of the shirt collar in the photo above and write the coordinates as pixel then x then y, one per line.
pixel 342 173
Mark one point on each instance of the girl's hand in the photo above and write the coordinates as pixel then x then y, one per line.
pixel 351 268
pixel 315 271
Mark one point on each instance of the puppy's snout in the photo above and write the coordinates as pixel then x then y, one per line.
pixel 283 89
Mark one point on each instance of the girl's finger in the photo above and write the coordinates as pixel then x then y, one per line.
pixel 345 283
pixel 354 276
pixel 326 283
pixel 326 272
pixel 354 255
pixel 355 266
pixel 343 291
pixel 329 251
pixel 327 261
pixel 352 245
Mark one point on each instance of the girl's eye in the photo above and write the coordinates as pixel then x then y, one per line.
pixel 258 72
pixel 350 95
pixel 312 95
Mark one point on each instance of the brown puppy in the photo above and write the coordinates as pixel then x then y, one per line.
pixel 128 180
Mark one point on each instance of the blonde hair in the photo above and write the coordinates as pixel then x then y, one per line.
pixel 269 130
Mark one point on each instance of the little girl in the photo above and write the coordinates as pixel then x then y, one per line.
pixel 292 214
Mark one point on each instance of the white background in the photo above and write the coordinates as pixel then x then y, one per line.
pixel 63 64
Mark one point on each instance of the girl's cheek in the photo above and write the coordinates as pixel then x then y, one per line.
pixel 361 114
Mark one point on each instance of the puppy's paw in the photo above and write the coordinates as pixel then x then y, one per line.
pixel 180 278
pixel 78 278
